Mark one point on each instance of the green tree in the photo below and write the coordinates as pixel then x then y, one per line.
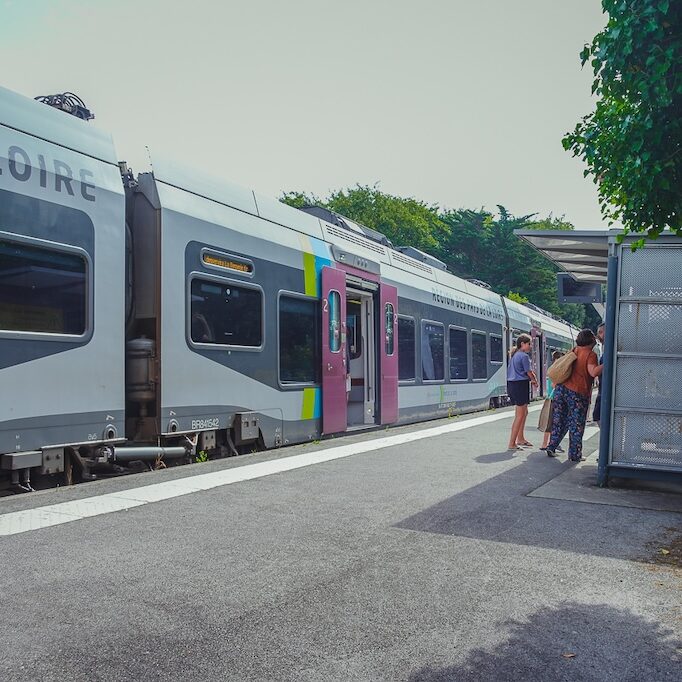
pixel 482 246
pixel 405 221
pixel 632 142
pixel 463 244
pixel 514 296
pixel 300 199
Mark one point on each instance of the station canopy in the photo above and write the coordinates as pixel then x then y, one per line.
pixel 581 253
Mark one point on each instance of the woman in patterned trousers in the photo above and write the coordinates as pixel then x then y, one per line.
pixel 572 398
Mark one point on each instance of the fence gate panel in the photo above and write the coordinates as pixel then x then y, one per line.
pixel 646 426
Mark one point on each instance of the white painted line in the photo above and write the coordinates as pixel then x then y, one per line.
pixel 65 512
pixel 21 522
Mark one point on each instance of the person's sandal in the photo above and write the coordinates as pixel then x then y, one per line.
pixel 550 453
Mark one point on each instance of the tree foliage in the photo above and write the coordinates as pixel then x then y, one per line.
pixel 405 221
pixel 514 296
pixel 473 243
pixel 632 141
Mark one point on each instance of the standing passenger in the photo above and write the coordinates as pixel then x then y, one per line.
pixel 519 378
pixel 545 422
pixel 572 398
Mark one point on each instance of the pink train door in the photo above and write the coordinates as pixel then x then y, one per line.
pixel 388 353
pixel 334 402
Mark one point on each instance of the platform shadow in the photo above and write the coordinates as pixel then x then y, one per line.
pixel 493 457
pixel 571 642
pixel 499 509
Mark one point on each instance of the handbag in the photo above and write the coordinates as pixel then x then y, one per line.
pixel 562 368
pixel 545 420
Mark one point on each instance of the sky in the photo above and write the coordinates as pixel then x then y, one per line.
pixel 459 103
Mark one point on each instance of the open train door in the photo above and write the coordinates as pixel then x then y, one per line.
pixel 388 353
pixel 334 400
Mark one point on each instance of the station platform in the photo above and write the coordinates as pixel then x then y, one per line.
pixel 419 553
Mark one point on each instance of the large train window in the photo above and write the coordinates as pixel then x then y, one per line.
pixel 433 351
pixel 42 290
pixel 389 327
pixel 406 348
pixel 225 313
pixel 479 355
pixel 459 354
pixel 334 299
pixel 299 345
pixel 496 353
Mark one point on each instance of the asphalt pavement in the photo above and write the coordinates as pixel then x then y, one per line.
pixel 441 558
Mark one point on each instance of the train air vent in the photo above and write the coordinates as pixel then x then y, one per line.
pixel 415 264
pixel 347 224
pixel 422 257
pixel 354 238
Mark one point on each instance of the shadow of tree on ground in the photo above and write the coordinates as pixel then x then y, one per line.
pixel 572 642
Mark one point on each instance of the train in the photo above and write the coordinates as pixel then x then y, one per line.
pixel 170 316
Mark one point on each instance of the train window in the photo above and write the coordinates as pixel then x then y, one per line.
pixel 433 351
pixel 496 348
pixel 43 290
pixel 459 354
pixel 226 314
pixel 299 345
pixel 406 348
pixel 354 329
pixel 479 355
pixel 389 326
pixel 334 321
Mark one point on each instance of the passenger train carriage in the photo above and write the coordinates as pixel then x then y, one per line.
pixel 152 318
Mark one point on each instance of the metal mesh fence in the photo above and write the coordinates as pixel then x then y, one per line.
pixel 647 439
pixel 650 328
pixel 647 398
pixel 651 272
pixel 649 383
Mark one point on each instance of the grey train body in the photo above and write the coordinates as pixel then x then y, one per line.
pixel 221 298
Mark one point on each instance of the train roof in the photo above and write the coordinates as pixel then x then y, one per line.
pixel 351 237
pixel 39 120
pixel 355 241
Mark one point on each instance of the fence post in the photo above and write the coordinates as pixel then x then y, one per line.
pixel 610 351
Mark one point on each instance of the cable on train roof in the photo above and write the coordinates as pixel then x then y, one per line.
pixel 68 102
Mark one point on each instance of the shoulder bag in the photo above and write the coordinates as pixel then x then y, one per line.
pixel 561 370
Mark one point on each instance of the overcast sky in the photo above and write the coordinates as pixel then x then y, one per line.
pixel 462 103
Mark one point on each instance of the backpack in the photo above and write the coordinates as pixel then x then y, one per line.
pixel 562 368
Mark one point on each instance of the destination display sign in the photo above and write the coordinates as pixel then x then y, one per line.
pixel 219 260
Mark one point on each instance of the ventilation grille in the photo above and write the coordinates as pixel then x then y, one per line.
pixel 354 239
pixel 397 256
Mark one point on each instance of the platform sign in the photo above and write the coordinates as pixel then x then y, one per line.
pixel 572 291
